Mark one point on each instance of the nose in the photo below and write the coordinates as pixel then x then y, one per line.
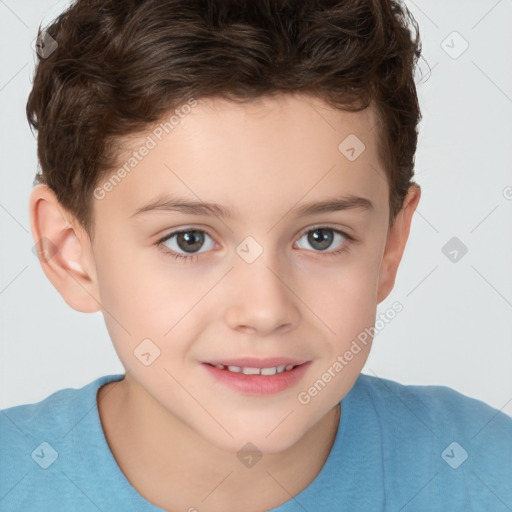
pixel 260 298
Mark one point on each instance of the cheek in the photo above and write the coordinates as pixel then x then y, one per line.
pixel 344 292
pixel 126 285
pixel 345 300
pixel 148 298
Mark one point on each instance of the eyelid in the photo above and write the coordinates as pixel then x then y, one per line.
pixel 186 228
pixel 304 231
pixel 342 231
pixel 192 257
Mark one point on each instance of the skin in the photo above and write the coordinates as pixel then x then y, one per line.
pixel 173 429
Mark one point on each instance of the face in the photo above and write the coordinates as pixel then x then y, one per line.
pixel 257 278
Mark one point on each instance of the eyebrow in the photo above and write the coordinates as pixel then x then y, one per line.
pixel 183 205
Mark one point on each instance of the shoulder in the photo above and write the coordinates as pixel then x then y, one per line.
pixel 437 407
pixel 433 436
pixel 48 412
pixel 22 425
pixel 33 436
pixel 54 413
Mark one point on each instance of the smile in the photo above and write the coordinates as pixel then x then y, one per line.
pixel 257 381
pixel 256 371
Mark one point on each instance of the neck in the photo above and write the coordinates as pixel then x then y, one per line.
pixel 175 468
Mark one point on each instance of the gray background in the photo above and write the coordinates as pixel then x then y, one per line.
pixel 456 325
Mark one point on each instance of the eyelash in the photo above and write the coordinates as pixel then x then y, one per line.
pixel 192 257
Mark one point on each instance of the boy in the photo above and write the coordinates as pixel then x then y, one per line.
pixel 229 182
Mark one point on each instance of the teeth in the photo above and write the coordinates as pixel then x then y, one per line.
pixel 250 371
pixel 256 371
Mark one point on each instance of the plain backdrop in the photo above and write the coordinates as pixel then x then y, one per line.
pixel 456 325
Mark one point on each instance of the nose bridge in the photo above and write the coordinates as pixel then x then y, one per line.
pixel 262 300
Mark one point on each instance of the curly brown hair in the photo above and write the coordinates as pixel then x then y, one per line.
pixel 120 66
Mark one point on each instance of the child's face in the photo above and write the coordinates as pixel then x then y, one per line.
pixel 262 161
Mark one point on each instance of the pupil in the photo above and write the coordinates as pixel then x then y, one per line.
pixel 190 240
pixel 194 239
pixel 324 239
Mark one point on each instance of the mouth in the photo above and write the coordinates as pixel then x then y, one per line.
pixel 247 370
pixel 253 377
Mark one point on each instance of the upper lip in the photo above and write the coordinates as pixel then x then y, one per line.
pixel 251 362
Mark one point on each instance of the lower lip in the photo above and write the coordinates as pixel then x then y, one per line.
pixel 258 384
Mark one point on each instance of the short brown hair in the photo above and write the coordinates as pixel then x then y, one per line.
pixel 120 66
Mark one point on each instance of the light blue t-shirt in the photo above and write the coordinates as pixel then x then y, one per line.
pixel 398 448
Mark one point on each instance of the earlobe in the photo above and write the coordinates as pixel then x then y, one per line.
pixel 63 250
pixel 396 241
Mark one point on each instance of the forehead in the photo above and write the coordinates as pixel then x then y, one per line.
pixel 252 155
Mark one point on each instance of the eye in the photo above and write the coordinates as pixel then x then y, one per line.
pixel 323 237
pixel 185 244
pixel 186 240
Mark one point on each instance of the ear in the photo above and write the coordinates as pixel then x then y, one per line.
pixel 64 250
pixel 395 245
